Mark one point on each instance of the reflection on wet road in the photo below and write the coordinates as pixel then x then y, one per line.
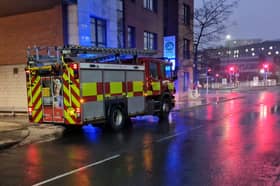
pixel 234 142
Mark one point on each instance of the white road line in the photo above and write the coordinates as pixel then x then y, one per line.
pixel 177 134
pixel 77 170
pixel 198 127
pixel 169 137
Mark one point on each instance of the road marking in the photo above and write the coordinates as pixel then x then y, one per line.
pixel 177 134
pixel 77 170
pixel 198 127
pixel 169 137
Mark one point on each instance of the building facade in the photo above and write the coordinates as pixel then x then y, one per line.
pixel 178 23
pixel 24 25
pixel 144 25
pixel 140 24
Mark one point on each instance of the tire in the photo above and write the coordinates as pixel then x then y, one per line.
pixel 116 118
pixel 165 108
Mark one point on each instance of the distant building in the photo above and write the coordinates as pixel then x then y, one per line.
pixel 248 60
pixel 241 42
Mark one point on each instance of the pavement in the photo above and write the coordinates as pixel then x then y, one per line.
pixel 17 131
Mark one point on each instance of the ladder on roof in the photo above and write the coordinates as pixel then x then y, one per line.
pixel 53 54
pixel 75 49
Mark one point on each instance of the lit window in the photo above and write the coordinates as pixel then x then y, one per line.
pixel 150 41
pixel 277 52
pixel 269 53
pixel 150 5
pixel 262 48
pixel 253 54
pixel 252 49
pixel 246 50
pixel 271 47
pixel 98 32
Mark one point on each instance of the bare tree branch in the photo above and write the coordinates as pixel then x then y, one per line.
pixel 210 23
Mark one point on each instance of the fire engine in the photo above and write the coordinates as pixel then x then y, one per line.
pixel 74 85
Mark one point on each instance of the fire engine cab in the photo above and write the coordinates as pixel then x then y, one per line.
pixel 76 85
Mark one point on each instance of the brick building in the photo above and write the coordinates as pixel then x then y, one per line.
pixel 24 25
pixel 111 23
pixel 178 22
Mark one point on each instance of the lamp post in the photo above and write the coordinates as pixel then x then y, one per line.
pixel 265 66
pixel 228 38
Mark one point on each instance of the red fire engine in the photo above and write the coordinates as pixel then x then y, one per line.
pixel 81 85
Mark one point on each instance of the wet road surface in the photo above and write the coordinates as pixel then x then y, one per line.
pixel 234 142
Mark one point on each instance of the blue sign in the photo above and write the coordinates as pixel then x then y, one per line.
pixel 169 50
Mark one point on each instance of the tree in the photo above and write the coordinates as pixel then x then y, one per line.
pixel 209 24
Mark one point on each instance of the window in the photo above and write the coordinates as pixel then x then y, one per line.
pixel 150 5
pixel 153 70
pixel 120 19
pixel 98 32
pixel 15 70
pixel 186 49
pixel 150 41
pixel 187 15
pixel 130 37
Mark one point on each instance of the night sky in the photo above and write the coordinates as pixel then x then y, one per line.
pixel 254 19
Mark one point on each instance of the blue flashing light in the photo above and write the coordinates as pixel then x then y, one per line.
pixel 91 133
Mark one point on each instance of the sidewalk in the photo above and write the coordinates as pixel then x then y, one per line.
pixel 17 131
pixel 205 98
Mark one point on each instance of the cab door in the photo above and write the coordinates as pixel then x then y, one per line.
pixel 52 99
pixel 155 82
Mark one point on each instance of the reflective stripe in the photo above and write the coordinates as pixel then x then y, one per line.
pixel 170 86
pixel 116 87
pixel 71 95
pixel 35 100
pixel 89 89
pixel 156 86
pixel 138 86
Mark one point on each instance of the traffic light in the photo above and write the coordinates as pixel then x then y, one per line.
pixel 265 67
pixel 209 70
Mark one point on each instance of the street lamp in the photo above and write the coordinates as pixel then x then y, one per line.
pixel 228 38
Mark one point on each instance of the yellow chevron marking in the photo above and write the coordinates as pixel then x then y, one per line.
pixel 38 105
pixel 75 101
pixel 38 118
pixel 75 89
pixel 68 117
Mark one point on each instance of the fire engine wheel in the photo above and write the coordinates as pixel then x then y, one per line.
pixel 116 118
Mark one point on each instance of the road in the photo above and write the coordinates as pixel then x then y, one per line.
pixel 234 142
